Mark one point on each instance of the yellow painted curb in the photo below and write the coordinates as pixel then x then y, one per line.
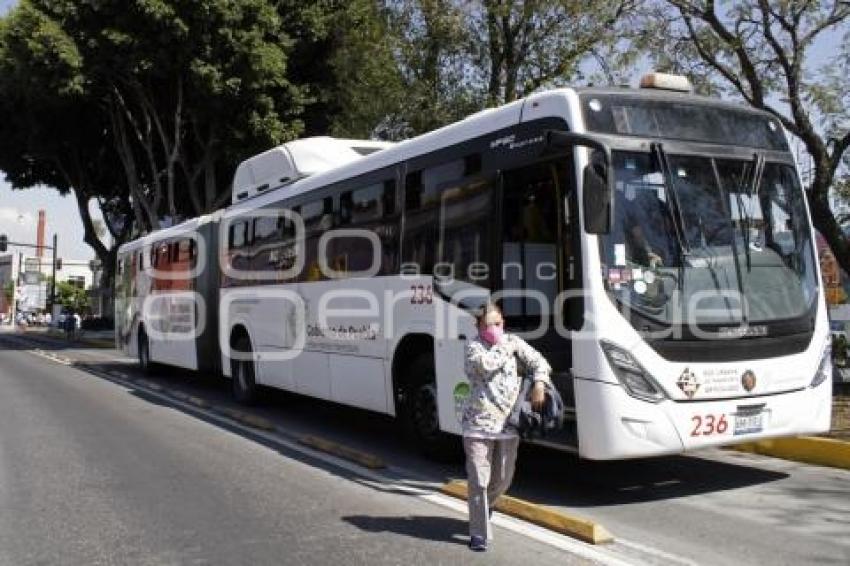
pixel 198 402
pixel 151 385
pixel 94 342
pixel 246 418
pixel 104 344
pixel 807 449
pixel 364 459
pixel 576 527
pixel 179 395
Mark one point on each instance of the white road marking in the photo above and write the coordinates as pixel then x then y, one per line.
pixel 421 489
pixel 51 357
pixel 644 549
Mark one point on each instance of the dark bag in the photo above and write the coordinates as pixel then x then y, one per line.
pixel 528 422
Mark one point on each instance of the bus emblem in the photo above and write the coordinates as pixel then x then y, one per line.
pixel 748 381
pixel 688 383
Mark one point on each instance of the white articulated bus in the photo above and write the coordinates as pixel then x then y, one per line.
pixel 654 245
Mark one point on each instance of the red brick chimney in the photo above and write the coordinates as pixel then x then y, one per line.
pixel 40 236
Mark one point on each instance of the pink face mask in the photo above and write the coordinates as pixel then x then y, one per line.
pixel 492 334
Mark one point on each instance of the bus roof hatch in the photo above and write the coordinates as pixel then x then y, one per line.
pixel 295 160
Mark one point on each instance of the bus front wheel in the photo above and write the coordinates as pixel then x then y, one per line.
pixel 242 373
pixel 422 413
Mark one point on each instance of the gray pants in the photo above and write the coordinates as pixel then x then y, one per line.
pixel 489 468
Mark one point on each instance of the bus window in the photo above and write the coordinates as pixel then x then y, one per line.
pixel 466 232
pixel 318 218
pixel 266 229
pixel 185 250
pixel 370 208
pixel 367 204
pixel 346 206
pixel 238 237
pixel 422 203
pixel 389 197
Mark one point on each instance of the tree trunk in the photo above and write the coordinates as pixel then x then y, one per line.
pixel 825 223
pixel 495 49
pixel 90 234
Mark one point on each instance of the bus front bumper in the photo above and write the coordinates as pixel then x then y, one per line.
pixel 614 425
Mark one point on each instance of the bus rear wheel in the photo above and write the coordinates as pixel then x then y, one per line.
pixel 242 373
pixel 422 413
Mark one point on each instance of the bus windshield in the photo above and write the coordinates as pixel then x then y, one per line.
pixel 702 240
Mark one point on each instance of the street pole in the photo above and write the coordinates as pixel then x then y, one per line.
pixel 53 282
pixel 18 283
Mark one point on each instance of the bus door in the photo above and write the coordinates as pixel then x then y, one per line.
pixel 538 262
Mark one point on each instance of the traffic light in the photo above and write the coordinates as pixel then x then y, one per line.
pixel 58 264
pixel 4 243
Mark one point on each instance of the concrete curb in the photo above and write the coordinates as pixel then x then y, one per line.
pixel 576 527
pixel 248 419
pixel 93 342
pixel 363 458
pixel 807 449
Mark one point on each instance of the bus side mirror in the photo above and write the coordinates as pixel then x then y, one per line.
pixel 597 201
pixel 598 182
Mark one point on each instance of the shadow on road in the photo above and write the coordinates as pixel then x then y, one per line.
pixel 570 481
pixel 543 475
pixel 439 529
pixel 13 341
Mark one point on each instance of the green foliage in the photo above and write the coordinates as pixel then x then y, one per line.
pixel 436 61
pixel 71 296
pixel 173 93
pixel 146 106
pixel 761 52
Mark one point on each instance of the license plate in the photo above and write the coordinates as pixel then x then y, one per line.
pixel 748 423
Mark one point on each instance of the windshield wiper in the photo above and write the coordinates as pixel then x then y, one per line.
pixel 745 218
pixel 672 196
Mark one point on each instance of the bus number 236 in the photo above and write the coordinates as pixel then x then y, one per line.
pixel 707 425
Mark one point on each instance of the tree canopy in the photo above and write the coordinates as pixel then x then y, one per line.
pixel 760 51
pixel 147 106
pixel 437 61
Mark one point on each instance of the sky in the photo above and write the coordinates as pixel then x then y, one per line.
pixel 19 219
pixel 19 209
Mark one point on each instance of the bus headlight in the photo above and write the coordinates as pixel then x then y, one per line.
pixel 824 369
pixel 636 380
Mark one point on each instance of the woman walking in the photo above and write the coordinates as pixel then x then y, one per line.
pixel 490 445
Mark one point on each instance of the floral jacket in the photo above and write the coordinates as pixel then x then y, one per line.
pixel 495 383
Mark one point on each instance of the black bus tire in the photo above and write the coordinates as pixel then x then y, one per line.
pixel 421 413
pixel 242 374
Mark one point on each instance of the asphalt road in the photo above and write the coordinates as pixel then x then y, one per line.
pixel 714 507
pixel 94 473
